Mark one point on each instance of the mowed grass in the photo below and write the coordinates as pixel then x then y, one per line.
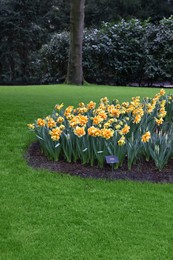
pixel 54 216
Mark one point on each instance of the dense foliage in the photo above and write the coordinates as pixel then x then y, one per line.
pixel 134 130
pixel 26 26
pixel 132 51
pixel 111 10
pixel 23 28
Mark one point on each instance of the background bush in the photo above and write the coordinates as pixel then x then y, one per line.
pixel 27 26
pixel 51 62
pixel 132 51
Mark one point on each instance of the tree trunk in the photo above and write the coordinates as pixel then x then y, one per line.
pixel 75 70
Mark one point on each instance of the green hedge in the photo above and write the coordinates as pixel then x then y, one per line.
pixel 130 51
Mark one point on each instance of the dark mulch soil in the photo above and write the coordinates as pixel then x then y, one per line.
pixel 143 171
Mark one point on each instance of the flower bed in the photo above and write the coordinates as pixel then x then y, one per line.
pixel 136 130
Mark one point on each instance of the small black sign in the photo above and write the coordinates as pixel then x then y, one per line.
pixel 111 159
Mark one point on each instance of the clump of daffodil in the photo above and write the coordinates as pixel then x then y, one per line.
pixel 89 132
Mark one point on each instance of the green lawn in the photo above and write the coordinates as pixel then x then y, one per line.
pixel 53 216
